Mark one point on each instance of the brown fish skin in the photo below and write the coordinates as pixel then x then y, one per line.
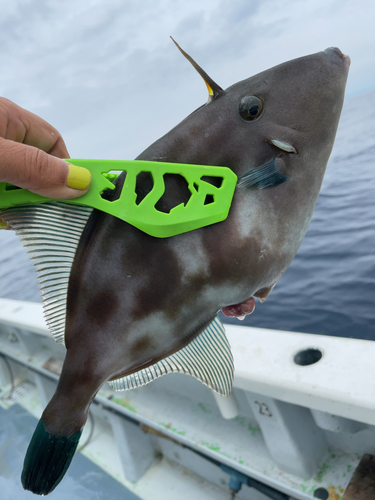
pixel 134 299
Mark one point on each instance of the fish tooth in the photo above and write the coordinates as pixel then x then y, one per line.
pixel 284 146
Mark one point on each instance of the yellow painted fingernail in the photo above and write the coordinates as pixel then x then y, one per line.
pixel 3 225
pixel 78 177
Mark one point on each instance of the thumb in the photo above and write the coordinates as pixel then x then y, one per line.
pixel 33 169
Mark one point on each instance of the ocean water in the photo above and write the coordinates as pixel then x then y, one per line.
pixel 330 286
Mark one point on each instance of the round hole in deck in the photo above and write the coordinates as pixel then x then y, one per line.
pixel 321 493
pixel 308 357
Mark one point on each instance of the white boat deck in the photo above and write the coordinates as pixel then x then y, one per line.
pixel 297 429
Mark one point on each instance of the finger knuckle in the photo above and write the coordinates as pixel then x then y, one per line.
pixel 37 171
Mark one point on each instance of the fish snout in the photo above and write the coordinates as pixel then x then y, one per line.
pixel 334 52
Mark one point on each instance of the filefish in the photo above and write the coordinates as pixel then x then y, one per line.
pixel 131 307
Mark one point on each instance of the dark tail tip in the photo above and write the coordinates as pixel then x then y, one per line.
pixel 47 459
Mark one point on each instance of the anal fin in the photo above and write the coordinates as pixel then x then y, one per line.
pixel 208 358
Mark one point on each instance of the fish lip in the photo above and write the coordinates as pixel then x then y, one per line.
pixel 335 50
pixel 283 145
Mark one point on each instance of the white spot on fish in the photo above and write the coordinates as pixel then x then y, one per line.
pixel 192 256
pixel 153 322
pixel 228 293
pixel 263 253
pixel 247 213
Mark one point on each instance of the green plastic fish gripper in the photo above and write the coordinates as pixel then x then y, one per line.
pixel 207 205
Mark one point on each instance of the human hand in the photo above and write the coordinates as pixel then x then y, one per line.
pixel 31 153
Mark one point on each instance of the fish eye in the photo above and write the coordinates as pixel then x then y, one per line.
pixel 250 108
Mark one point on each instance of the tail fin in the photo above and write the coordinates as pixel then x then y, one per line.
pixel 47 459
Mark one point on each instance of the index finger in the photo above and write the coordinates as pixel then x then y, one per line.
pixel 19 125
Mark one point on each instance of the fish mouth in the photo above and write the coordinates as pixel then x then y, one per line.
pixel 335 51
pixel 241 310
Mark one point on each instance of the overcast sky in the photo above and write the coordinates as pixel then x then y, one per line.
pixel 106 74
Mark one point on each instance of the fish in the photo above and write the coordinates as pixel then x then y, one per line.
pixel 131 307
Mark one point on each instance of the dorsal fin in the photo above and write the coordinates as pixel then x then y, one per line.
pixel 214 90
pixel 51 233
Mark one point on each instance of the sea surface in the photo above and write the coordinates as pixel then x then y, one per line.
pixel 328 289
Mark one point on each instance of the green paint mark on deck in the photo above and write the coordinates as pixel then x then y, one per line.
pixel 216 448
pixel 203 408
pixel 240 421
pixel 253 429
pixel 243 422
pixel 324 468
pixel 124 402
pixel 312 489
pixel 213 447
